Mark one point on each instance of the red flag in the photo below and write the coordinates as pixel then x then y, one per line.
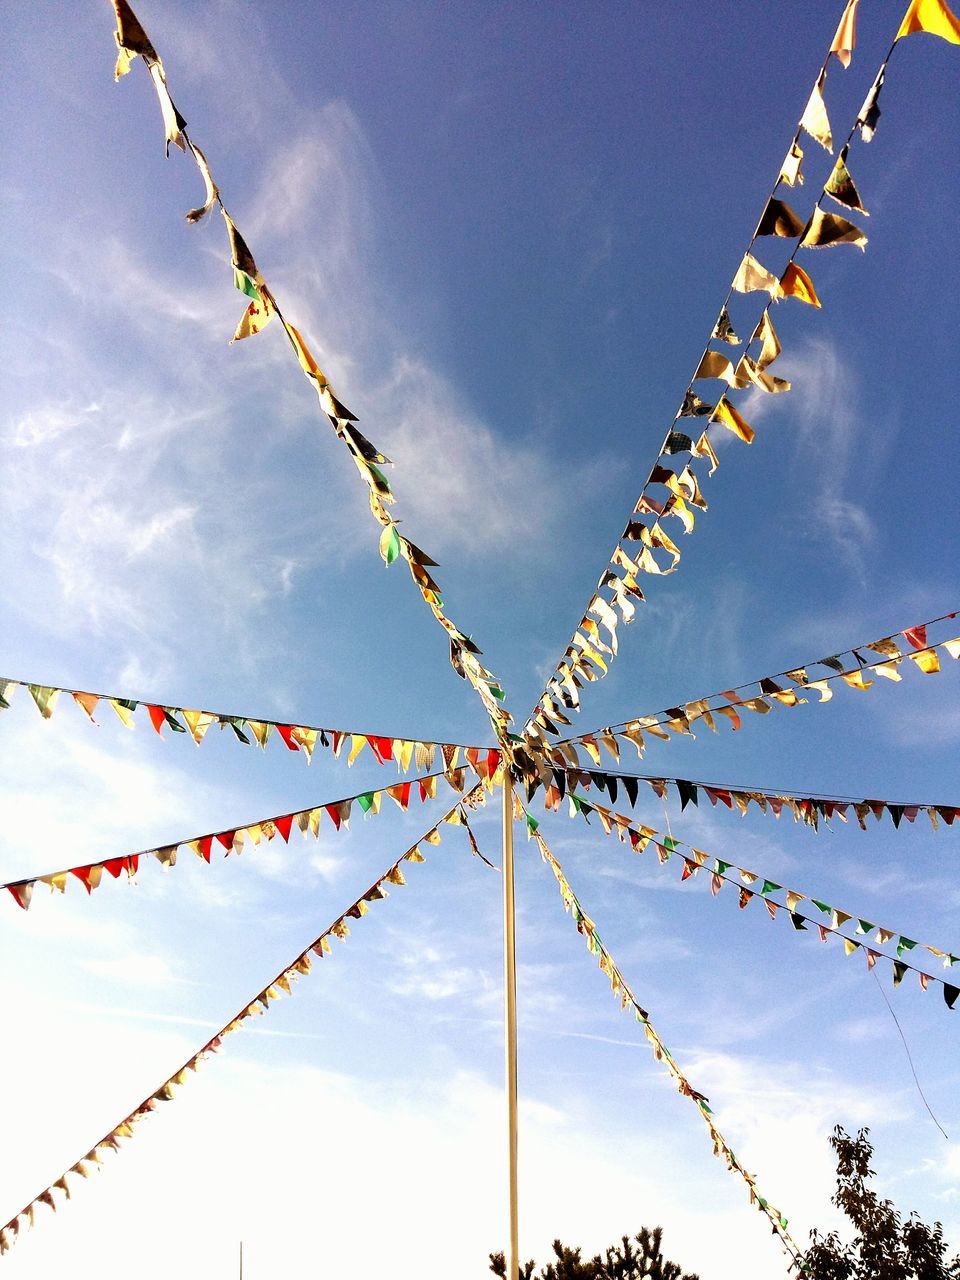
pixel 286 733
pixel 917 636
pixel 283 825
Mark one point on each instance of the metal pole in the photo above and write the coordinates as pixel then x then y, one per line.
pixel 241 1260
pixel 510 994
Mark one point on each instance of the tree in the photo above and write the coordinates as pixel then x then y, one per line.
pixel 886 1247
pixel 621 1261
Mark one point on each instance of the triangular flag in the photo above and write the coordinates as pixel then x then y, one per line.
pixel 779 220
pixel 815 120
pixel 825 229
pixel 257 316
pixel 844 42
pixel 795 283
pixel 841 186
pixel 932 16
pixel 726 414
pixel 752 277
pixel 790 170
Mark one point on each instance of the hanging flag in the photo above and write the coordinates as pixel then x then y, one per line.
pixel 257 316
pixel 727 415
pixel 795 283
pixel 779 220
pixel 723 329
pixel 766 335
pixel 715 365
pixel 844 42
pixel 825 229
pixel 790 170
pixel 869 115
pixel 211 192
pixel 752 277
pixel 841 187
pixel 932 16
pixel 815 120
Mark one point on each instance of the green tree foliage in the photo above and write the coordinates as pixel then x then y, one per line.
pixel 637 1259
pixel 886 1246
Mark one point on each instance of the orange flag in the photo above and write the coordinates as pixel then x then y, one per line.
pixel 845 40
pixel 932 16
pixel 795 283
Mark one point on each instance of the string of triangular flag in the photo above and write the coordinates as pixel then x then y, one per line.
pixel 232 840
pixel 622 990
pixel 132 42
pixel 282 984
pixel 640 837
pixel 810 808
pixel 247 729
pixel 668 492
pixel 759 696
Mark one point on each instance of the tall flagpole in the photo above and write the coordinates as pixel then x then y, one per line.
pixel 510 996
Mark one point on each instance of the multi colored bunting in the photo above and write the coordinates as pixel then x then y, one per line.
pixel 282 984
pixel 808 809
pixel 618 590
pixel 484 761
pixel 639 837
pixel 621 989
pixel 759 696
pixel 233 839
pixel 132 41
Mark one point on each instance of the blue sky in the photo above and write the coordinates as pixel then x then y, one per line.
pixel 506 231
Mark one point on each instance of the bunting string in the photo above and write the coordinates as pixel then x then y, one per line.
pixel 667 492
pixel 807 808
pixel 622 990
pixel 282 984
pixel 640 837
pixel 132 42
pixel 246 729
pixel 232 840
pixel 850 666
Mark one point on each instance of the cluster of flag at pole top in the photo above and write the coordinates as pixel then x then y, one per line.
pixel 532 759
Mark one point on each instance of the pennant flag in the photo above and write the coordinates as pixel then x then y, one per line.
pixel 845 39
pixel 795 283
pixel 211 194
pixel 766 335
pixel 815 119
pixel 841 187
pixel 723 329
pixel 790 170
pixel 779 220
pixel 694 407
pixel 715 365
pixel 826 229
pixel 869 115
pixel 727 415
pixel 932 16
pixel 752 277
pixel 256 317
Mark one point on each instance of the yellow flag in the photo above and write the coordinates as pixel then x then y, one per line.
pixel 726 414
pixel 926 660
pixel 932 16
pixel 815 120
pixel 844 42
pixel 767 336
pixel 704 449
pixel 715 365
pixel 825 229
pixel 307 362
pixel 256 317
pixel 125 714
pixel 795 283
